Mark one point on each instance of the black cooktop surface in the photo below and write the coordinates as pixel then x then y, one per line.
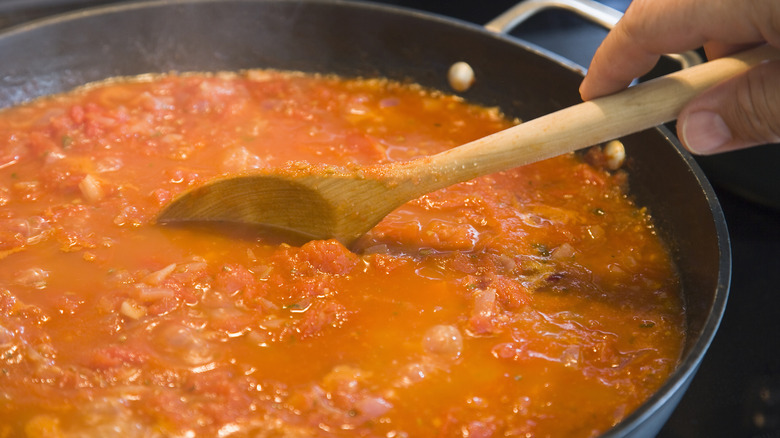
pixel 736 392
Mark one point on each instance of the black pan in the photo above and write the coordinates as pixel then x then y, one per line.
pixel 361 39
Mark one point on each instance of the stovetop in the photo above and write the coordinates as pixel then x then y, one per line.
pixel 736 392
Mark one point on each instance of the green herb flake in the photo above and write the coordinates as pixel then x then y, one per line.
pixel 647 324
pixel 67 141
pixel 542 249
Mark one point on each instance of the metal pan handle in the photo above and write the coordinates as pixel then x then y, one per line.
pixel 590 10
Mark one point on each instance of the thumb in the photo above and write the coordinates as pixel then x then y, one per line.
pixel 740 112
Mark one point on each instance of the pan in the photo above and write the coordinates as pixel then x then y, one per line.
pixel 363 39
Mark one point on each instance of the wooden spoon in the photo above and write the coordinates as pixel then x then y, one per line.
pixel 323 202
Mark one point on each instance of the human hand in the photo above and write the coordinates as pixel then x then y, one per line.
pixel 740 112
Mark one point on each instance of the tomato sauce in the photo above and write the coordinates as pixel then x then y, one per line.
pixel 533 302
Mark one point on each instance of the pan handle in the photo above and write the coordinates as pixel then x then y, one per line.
pixel 591 10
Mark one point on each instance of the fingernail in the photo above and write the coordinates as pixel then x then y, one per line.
pixel 705 132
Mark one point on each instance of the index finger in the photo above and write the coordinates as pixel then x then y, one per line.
pixel 651 28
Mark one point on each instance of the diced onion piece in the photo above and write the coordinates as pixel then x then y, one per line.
pixel 38 229
pixel 444 341
pixel 507 262
pixel 564 251
pixel 184 344
pixel 262 272
pixel 371 408
pixel 615 153
pixel 158 276
pixel 24 231
pixel 91 189
pixel 108 164
pixel 36 278
pixel 148 293
pixel 482 313
pixel 343 378
pixel 131 309
pixel 460 76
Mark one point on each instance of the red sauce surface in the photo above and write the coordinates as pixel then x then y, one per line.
pixel 534 302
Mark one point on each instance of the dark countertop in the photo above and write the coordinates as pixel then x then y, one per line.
pixel 736 392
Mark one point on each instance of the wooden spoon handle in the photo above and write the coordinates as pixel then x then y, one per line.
pixel 637 108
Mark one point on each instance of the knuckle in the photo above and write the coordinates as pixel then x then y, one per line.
pixel 766 15
pixel 756 115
